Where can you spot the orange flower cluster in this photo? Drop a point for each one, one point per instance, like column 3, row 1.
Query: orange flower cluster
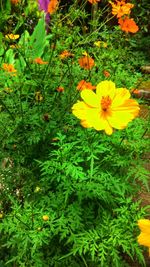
column 122, row 10
column 9, row 68
column 86, row 62
column 52, row 6
column 85, row 85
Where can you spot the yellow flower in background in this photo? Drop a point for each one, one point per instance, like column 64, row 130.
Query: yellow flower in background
column 106, row 109
column 97, row 43
column 38, row 96
column 144, row 237
column 100, row 44
column 12, row 36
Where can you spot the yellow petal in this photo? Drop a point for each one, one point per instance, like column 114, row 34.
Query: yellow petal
column 106, row 88
column 144, row 239
column 144, row 225
column 85, row 124
column 120, row 119
column 79, row 110
column 99, row 123
column 90, row 98
column 120, row 97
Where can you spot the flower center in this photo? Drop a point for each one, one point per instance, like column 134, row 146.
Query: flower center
column 105, row 103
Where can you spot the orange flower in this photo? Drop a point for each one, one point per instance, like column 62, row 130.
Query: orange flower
column 128, row 25
column 85, row 85
column 60, row 89
column 9, row 68
column 93, row 1
column 121, row 8
column 14, row 2
column 106, row 73
column 52, row 6
column 40, row 61
column 66, row 54
column 86, row 62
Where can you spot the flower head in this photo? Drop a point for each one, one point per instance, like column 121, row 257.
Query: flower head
column 86, row 62
column 52, row 6
column 40, row 61
column 9, row 68
column 66, row 54
column 128, row 25
column 12, row 36
column 82, row 85
column 106, row 109
column 120, row 8
column 144, row 237
column 43, row 5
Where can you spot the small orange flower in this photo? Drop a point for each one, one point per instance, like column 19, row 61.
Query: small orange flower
column 121, row 8
column 14, row 2
column 128, row 25
column 40, row 61
column 66, row 54
column 52, row 6
column 86, row 62
column 106, row 73
column 85, row 85
column 9, row 68
column 60, row 89
column 93, row 1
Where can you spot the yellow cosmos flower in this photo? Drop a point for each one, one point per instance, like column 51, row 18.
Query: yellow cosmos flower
column 106, row 109
column 144, row 237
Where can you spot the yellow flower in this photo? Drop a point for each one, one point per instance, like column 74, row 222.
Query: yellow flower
column 12, row 36
column 106, row 109
column 45, row 217
column 100, row 44
column 144, row 237
column 38, row 96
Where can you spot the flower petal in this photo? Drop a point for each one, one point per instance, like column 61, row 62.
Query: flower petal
column 121, row 95
column 90, row 98
column 106, row 88
column 120, row 119
column 144, row 225
column 144, row 239
column 79, row 110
